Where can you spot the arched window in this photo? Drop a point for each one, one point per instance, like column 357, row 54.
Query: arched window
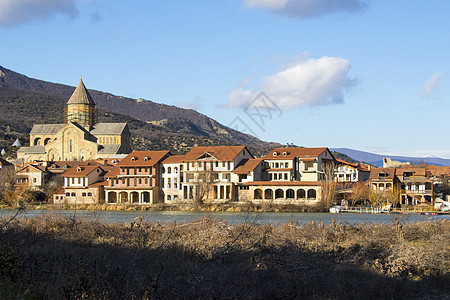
column 169, row 170
column 257, row 194
column 290, row 194
column 311, row 194
column 301, row 194
column 279, row 194
column 268, row 194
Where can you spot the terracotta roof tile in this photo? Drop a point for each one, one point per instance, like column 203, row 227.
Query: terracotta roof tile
column 221, row 153
column 375, row 172
column 81, row 171
column 290, row 153
column 173, row 159
column 143, row 158
column 248, row 165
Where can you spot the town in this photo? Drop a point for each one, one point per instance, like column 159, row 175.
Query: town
column 83, row 162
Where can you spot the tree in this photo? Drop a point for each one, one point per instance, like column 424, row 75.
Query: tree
column 360, row 193
column 8, row 182
column 328, row 184
column 204, row 178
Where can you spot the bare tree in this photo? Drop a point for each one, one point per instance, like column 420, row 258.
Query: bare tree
column 328, row 184
column 360, row 193
column 204, row 178
column 8, row 182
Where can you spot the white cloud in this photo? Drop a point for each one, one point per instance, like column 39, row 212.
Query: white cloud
column 307, row 8
column 311, row 82
column 16, row 12
column 430, row 85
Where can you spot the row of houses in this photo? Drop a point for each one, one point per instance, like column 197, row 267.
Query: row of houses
column 220, row 174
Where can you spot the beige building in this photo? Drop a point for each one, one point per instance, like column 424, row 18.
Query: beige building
column 79, row 138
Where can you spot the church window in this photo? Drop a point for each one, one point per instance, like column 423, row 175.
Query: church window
column 70, row 145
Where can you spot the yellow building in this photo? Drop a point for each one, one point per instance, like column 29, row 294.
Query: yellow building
column 79, row 138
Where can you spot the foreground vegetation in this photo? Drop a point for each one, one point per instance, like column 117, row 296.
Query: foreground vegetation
column 50, row 257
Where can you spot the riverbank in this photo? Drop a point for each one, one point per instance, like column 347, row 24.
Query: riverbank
column 214, row 207
column 206, row 207
column 59, row 258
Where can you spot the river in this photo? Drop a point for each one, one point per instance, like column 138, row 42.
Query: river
column 277, row 218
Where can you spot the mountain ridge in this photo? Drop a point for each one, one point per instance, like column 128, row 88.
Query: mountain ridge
column 377, row 159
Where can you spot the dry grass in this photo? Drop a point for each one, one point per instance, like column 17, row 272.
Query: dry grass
column 49, row 257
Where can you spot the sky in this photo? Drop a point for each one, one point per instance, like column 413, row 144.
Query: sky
column 370, row 75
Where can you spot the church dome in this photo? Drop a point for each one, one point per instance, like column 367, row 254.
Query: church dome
column 81, row 95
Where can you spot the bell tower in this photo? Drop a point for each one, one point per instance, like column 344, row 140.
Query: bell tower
column 80, row 108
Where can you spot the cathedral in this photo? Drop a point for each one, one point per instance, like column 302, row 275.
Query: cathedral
column 79, row 138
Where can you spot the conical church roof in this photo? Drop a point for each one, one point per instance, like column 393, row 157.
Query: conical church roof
column 81, row 95
column 17, row 143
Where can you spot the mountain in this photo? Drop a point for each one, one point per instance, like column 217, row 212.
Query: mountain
column 26, row 101
column 377, row 159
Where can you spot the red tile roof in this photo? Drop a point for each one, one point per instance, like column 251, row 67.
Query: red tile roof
column 221, row 153
column 173, row 159
column 390, row 172
column 356, row 166
column 143, row 158
column 81, row 171
column 290, row 153
column 248, row 165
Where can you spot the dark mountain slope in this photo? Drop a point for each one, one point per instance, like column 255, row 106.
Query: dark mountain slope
column 173, row 118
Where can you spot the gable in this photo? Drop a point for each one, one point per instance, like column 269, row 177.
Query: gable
column 206, row 156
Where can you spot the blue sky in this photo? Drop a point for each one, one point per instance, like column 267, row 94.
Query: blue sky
column 368, row 75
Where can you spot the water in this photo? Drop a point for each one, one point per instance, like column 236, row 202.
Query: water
column 231, row 217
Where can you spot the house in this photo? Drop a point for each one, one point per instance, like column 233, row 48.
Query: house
column 416, row 188
column 208, row 172
column 383, row 179
column 292, row 175
column 83, row 184
column 32, row 176
column 346, row 172
column 136, row 178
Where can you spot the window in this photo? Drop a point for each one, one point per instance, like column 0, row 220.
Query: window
column 284, row 153
column 73, row 194
column 274, row 154
column 133, row 158
column 83, row 194
column 169, row 170
column 146, row 158
column 89, row 194
column 68, row 194
column 285, row 176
